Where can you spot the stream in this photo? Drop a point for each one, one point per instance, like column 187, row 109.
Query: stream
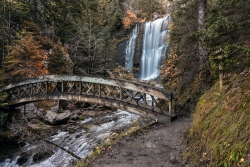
column 79, row 138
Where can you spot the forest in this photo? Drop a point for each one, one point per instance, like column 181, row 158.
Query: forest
column 207, row 65
column 57, row 37
column 209, row 70
column 40, row 37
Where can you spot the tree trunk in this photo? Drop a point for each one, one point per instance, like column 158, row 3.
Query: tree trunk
column 201, row 27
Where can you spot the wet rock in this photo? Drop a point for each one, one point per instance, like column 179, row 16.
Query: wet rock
column 41, row 156
column 121, row 48
column 74, row 117
column 81, row 117
column 71, row 131
column 57, row 118
column 23, row 159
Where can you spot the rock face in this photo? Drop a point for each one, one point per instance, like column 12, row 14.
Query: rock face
column 138, row 50
column 54, row 118
column 121, row 47
column 156, row 16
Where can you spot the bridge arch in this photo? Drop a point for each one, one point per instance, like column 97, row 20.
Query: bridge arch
column 117, row 93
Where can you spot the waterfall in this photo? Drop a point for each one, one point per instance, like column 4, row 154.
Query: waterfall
column 130, row 49
column 154, row 47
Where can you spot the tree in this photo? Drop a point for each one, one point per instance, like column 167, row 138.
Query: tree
column 112, row 12
column 203, row 56
column 148, row 7
column 59, row 61
column 26, row 59
column 227, row 37
column 91, row 44
column 129, row 19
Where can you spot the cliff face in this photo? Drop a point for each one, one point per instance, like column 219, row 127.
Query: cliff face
column 138, row 51
column 122, row 36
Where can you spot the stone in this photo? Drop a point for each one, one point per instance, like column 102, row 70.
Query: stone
column 42, row 155
column 55, row 108
column 156, row 16
column 173, row 160
column 57, row 118
column 39, row 126
column 74, row 117
column 22, row 159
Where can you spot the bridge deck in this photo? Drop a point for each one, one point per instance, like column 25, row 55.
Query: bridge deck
column 139, row 98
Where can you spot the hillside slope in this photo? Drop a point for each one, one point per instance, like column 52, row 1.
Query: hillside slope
column 220, row 133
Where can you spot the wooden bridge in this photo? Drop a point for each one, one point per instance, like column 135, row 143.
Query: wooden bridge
column 135, row 97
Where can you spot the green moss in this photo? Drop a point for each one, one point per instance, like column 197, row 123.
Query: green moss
column 220, row 134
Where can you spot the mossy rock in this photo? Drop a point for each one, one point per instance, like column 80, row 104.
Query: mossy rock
column 42, row 155
column 71, row 131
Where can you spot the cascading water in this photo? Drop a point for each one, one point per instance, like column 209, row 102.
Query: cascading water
column 154, row 47
column 88, row 133
column 130, row 49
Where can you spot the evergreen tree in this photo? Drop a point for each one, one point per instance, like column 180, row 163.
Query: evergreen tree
column 59, row 61
column 111, row 12
column 26, row 59
column 227, row 37
column 91, row 47
column 148, row 7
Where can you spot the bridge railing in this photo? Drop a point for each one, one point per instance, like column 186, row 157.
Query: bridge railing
column 128, row 92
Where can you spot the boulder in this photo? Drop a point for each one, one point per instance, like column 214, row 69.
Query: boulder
column 156, row 16
column 54, row 118
column 42, row 155
column 22, row 159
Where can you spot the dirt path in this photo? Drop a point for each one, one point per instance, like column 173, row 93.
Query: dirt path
column 160, row 146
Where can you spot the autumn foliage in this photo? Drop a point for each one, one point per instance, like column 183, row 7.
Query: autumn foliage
column 129, row 19
column 26, row 60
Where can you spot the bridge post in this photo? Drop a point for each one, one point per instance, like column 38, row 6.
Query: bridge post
column 31, row 89
column 144, row 99
column 170, row 104
column 120, row 93
column 99, row 89
column 46, row 87
column 62, row 88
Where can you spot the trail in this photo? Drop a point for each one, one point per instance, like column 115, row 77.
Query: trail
column 160, row 146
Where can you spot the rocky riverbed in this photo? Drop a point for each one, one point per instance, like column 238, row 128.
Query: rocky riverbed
column 54, row 137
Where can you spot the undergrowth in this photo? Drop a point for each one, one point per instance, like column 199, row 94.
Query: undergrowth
column 220, row 134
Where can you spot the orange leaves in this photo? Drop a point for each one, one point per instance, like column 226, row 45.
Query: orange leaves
column 26, row 59
column 129, row 19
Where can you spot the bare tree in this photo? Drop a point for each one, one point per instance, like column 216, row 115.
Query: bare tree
column 201, row 27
